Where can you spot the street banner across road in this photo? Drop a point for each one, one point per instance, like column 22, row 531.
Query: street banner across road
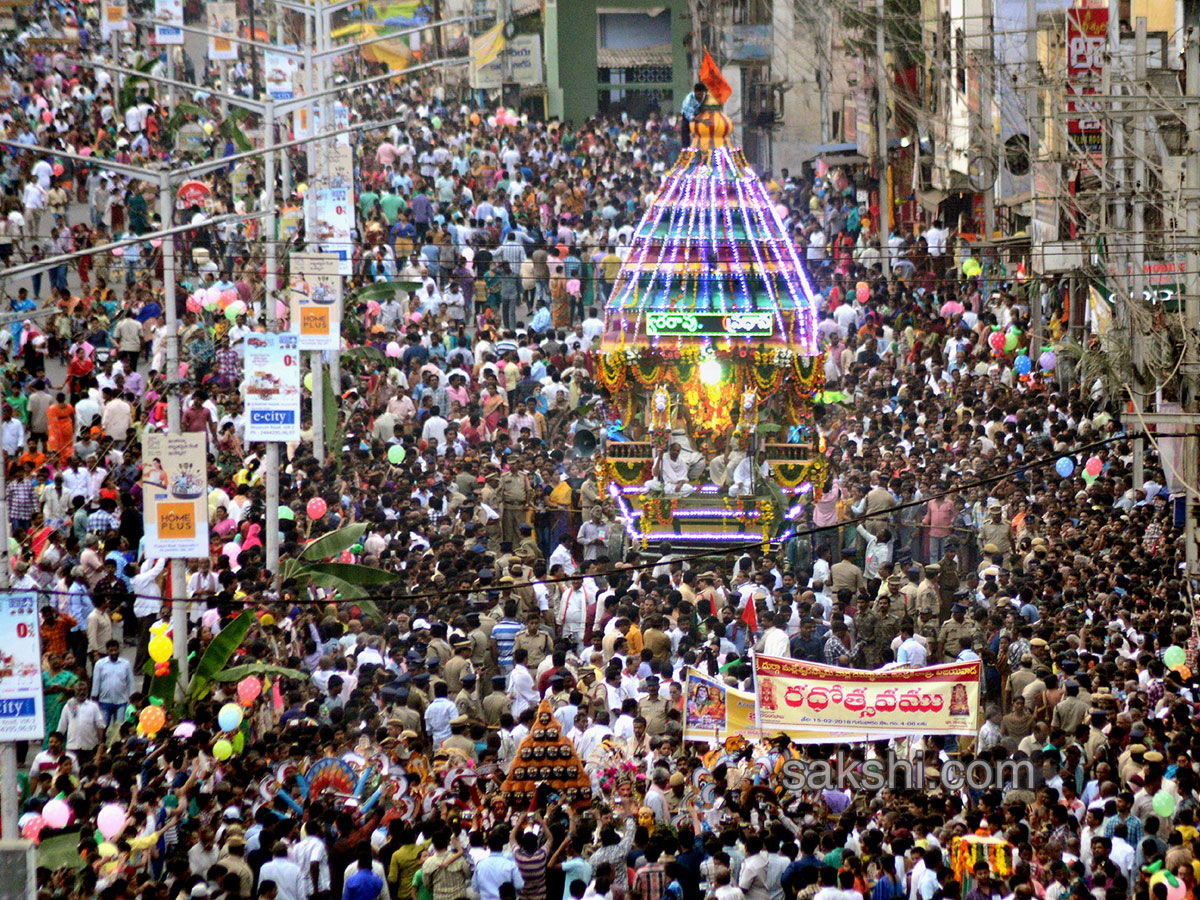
column 793, row 694
column 272, row 387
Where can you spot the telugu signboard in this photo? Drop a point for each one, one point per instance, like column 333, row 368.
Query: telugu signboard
column 22, row 712
column 1087, row 36
column 931, row 700
column 175, row 492
column 748, row 324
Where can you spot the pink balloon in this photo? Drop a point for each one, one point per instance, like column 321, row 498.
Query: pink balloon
column 316, row 508
column 346, row 557
column 373, row 307
column 183, row 370
column 56, row 813
column 393, row 349
column 47, row 116
column 248, row 689
column 212, row 294
column 156, row 242
column 32, row 830
column 85, row 151
column 41, row 102
column 111, row 820
column 118, row 251
column 193, row 305
column 1094, row 466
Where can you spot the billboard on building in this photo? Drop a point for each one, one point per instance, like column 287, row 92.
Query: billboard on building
column 1087, row 36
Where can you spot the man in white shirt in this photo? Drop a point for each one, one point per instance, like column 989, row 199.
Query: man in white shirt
column 286, row 875
column 520, row 684
column 911, row 651
column 774, row 641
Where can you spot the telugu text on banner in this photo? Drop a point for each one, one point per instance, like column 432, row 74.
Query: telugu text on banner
column 932, row 700
column 175, row 492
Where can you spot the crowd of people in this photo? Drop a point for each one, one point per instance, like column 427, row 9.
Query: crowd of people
column 370, row 763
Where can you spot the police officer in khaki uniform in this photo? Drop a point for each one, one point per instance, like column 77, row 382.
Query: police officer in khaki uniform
column 534, row 640
column 481, row 650
column 928, row 594
column 953, row 631
column 654, row 708
column 458, row 665
column 497, row 703
column 528, row 549
column 467, row 700
column 514, row 499
column 458, row 739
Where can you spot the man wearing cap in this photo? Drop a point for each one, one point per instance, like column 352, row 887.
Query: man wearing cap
column 527, row 548
column 514, row 496
column 534, row 640
column 653, row 708
column 928, row 595
column 466, row 701
column 953, row 631
column 458, row 739
column 457, row 666
column 496, row 703
column 995, row 532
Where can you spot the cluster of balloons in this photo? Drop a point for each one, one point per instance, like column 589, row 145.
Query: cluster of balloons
column 504, row 117
column 161, row 648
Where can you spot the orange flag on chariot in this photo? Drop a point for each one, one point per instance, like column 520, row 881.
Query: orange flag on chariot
column 714, row 80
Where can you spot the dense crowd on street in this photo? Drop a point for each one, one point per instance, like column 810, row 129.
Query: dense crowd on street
column 943, row 532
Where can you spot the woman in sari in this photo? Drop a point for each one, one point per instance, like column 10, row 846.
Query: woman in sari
column 558, row 505
column 495, row 405
column 57, row 688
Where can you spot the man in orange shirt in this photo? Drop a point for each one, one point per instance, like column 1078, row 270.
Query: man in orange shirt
column 54, row 628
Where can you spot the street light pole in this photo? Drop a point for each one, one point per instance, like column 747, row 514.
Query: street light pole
column 179, row 611
column 269, row 295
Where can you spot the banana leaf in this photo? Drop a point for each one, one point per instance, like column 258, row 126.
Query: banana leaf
column 163, row 686
column 237, row 673
column 345, row 589
column 352, row 573
column 217, row 656
column 364, row 354
column 332, row 543
column 382, row 290
column 231, row 130
column 182, row 111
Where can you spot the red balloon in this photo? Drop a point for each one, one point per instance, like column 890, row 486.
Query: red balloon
column 47, row 116
column 58, row 170
column 316, row 508
column 347, row 556
column 997, row 341
column 1094, row 466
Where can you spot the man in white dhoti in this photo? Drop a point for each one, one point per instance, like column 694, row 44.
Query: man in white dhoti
column 671, row 473
column 743, row 476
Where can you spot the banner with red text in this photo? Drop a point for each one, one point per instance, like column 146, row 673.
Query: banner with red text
column 800, row 696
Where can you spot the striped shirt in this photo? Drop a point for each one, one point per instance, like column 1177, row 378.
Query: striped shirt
column 533, row 871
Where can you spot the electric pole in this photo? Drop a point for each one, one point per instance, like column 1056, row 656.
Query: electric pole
column 987, row 131
column 1137, row 339
column 1191, row 363
column 881, row 141
column 1033, row 125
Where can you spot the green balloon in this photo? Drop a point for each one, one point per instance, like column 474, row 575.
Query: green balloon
column 1174, row 657
column 357, row 548
column 1164, row 804
column 1010, row 341
column 395, row 454
column 285, row 512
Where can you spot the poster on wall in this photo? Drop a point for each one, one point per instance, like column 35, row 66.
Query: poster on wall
column 22, row 710
column 315, row 300
column 175, row 495
column 223, row 23
column 272, row 380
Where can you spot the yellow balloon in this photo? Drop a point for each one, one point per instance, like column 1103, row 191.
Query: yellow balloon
column 159, row 628
column 267, row 619
column 107, row 850
column 161, row 648
column 222, row 749
column 208, row 128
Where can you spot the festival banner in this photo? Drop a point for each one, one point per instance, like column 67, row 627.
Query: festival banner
column 315, row 300
column 222, row 20
column 175, row 495
column 168, row 22
column 22, row 711
column 272, row 373
column 714, row 712
column 114, row 18
column 932, row 700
